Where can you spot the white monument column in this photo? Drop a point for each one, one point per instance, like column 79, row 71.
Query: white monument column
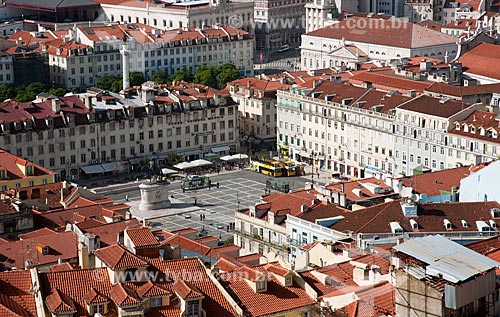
column 125, row 64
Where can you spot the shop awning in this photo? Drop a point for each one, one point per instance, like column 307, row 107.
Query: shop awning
column 92, row 169
column 111, row 167
column 134, row 161
column 218, row 149
column 168, row 171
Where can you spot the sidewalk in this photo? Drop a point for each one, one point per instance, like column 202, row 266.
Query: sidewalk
column 325, row 177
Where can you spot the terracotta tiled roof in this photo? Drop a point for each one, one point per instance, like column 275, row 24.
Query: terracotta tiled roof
column 173, row 310
column 149, row 289
column 17, row 298
column 259, row 84
column 275, row 300
column 37, row 233
column 479, row 119
column 225, row 265
column 58, row 219
column 108, row 233
column 431, row 25
column 485, row 246
column 186, row 290
column 59, row 303
column 377, row 300
column 387, row 82
column 434, row 107
column 435, row 183
column 93, row 296
column 249, row 273
column 11, row 163
column 350, row 186
column 123, row 296
column 430, row 216
column 61, row 267
column 214, row 302
column 482, row 60
column 142, row 237
column 16, row 253
column 76, row 285
column 277, row 269
column 409, row 35
column 117, row 257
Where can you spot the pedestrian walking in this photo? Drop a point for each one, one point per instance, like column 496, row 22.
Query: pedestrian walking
column 227, row 228
column 201, row 217
column 195, row 201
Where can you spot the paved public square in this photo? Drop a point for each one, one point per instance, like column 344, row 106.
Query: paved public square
column 236, row 190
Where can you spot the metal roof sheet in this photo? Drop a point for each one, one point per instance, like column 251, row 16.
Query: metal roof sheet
column 447, row 259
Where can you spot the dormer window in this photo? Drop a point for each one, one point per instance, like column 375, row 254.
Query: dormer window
column 466, row 128
column 414, row 224
column 465, row 224
column 495, row 212
column 482, row 131
column 156, row 302
column 193, row 308
column 396, row 227
column 29, row 170
column 49, row 121
column 98, row 308
column 457, row 126
column 261, row 286
column 3, row 173
column 288, row 281
column 472, row 129
column 493, row 224
column 447, row 224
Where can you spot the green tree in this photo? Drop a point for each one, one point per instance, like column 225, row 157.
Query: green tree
column 206, row 76
column 57, row 91
column 182, row 74
column 36, row 88
column 105, row 82
column 136, row 78
column 226, row 73
column 116, row 86
column 173, row 158
column 160, row 77
column 7, row 91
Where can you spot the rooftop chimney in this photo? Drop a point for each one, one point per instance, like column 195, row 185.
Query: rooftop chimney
column 56, row 105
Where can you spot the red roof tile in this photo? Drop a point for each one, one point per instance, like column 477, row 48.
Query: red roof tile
column 17, row 298
column 16, row 253
column 149, row 289
column 409, row 35
column 61, row 267
column 59, row 303
column 93, row 296
column 37, row 233
column 482, row 60
column 435, row 183
column 186, row 290
column 117, row 257
column 434, row 107
column 385, row 82
column 276, row 299
column 123, row 296
column 76, row 285
column 214, row 302
column 108, row 233
column 142, row 237
column 430, row 216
